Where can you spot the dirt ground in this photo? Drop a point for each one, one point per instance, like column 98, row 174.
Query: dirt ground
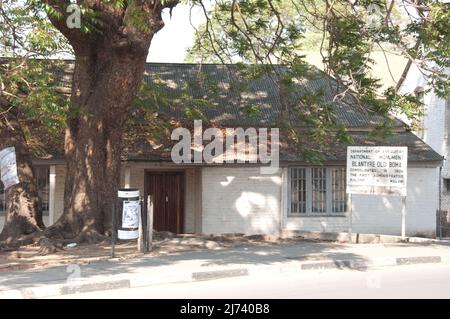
column 28, row 257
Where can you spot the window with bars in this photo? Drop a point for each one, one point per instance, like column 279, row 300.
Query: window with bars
column 317, row 190
column 339, row 197
column 43, row 184
column 298, row 187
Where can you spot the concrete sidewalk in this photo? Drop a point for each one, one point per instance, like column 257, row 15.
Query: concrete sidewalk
column 244, row 260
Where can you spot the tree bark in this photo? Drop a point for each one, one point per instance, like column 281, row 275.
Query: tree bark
column 104, row 86
column 109, row 67
column 23, row 211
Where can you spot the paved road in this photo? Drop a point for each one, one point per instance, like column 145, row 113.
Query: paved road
column 413, row 281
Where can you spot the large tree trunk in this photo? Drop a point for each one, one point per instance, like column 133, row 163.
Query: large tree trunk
column 104, row 87
column 23, row 211
column 109, row 67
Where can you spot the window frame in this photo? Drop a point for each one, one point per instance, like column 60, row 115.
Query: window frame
column 309, row 194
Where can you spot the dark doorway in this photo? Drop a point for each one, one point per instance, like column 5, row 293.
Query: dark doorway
column 167, row 189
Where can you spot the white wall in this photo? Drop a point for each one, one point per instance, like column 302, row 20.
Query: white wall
column 240, row 200
column 382, row 214
column 436, row 122
column 434, row 118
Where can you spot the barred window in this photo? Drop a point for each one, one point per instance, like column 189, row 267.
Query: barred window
column 298, row 186
column 317, row 190
column 43, row 184
column 339, row 197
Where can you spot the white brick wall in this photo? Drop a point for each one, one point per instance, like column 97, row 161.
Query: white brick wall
column 382, row 214
column 436, row 122
column 436, row 131
column 192, row 204
column 240, row 200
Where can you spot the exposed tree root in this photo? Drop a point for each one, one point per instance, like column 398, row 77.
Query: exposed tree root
column 52, row 240
column 36, row 238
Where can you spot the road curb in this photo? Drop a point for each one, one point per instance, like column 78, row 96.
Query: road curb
column 219, row 274
column 52, row 290
column 358, row 238
column 77, row 261
column 418, row 260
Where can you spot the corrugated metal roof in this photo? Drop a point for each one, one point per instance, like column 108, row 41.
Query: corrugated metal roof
column 227, row 106
column 142, row 147
column 180, row 83
column 418, row 150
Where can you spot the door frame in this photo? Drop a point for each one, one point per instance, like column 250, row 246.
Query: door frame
column 150, row 171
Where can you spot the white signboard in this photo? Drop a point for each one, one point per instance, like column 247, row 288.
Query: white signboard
column 377, row 170
column 8, row 167
column 130, row 214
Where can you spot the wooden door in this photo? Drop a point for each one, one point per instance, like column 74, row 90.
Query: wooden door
column 168, row 195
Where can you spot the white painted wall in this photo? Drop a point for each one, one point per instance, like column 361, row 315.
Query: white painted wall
column 382, row 214
column 436, row 122
column 240, row 200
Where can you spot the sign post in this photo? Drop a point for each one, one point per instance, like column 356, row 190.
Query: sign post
column 350, row 218
column 404, row 217
column 378, row 170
